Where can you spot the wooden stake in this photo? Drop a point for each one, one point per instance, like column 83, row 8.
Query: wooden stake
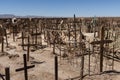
column 22, row 40
column 54, row 46
column 36, row 35
column 69, row 34
column 56, row 68
column 25, row 66
column 28, row 48
column 113, row 59
column 101, row 49
column 41, row 39
column 75, row 31
column 82, row 67
column 2, row 44
column 6, row 37
column 7, row 73
column 13, row 33
column 89, row 60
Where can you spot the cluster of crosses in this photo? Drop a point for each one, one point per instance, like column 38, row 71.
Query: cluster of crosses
column 25, row 68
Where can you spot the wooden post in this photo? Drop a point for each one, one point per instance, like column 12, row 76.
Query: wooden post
column 13, row 33
column 40, row 34
column 82, row 67
column 36, row 36
column 80, row 37
column 28, row 48
column 54, row 46
column 75, row 31
column 56, row 68
column 7, row 73
column 101, row 49
column 6, row 37
column 60, row 51
column 22, row 40
column 113, row 59
column 25, row 66
column 41, row 39
column 89, row 61
column 32, row 37
column 2, row 44
column 69, row 34
column 48, row 38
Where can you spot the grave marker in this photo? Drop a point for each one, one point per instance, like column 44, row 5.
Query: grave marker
column 7, row 73
column 25, row 68
column 101, row 42
column 56, row 68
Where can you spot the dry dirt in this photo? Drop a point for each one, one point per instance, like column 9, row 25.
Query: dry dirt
column 43, row 59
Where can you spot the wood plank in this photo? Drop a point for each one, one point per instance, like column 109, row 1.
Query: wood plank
column 102, row 41
column 7, row 73
column 28, row 67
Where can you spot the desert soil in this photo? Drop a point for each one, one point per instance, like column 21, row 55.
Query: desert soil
column 43, row 59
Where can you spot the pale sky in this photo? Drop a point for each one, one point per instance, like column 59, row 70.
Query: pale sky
column 62, row 8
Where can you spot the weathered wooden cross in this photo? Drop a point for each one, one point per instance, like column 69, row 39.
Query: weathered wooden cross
column 25, row 68
column 101, row 42
column 36, row 37
column 28, row 46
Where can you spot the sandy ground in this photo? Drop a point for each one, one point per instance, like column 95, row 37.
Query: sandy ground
column 43, row 59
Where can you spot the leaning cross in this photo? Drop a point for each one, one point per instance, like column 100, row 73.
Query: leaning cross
column 25, row 67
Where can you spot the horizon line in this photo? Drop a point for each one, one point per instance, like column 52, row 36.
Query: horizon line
column 54, row 16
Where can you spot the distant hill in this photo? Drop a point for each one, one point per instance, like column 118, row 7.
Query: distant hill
column 12, row 16
column 27, row 16
column 7, row 16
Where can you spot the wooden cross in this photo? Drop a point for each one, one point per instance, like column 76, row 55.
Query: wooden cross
column 25, row 68
column 101, row 42
column 36, row 37
column 75, row 31
column 28, row 45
